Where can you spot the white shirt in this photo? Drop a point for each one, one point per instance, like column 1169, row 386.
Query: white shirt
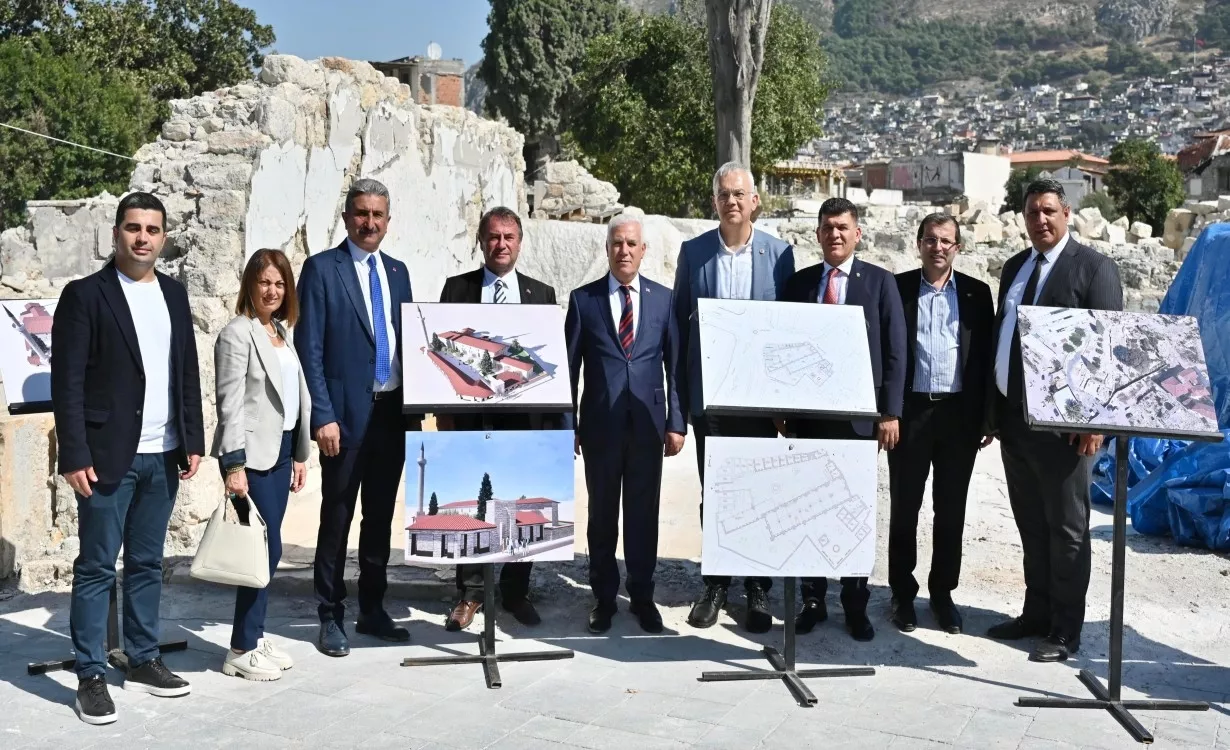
column 359, row 256
column 1008, row 326
column 512, row 289
column 290, row 386
column 152, row 320
column 734, row 270
column 617, row 301
column 843, row 279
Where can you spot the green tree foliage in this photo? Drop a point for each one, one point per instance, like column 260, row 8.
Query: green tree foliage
column 433, row 506
column 1143, row 183
column 485, row 495
column 646, row 120
column 1102, row 201
column 1132, row 60
column 436, row 343
column 1018, row 180
column 531, row 56
column 70, row 99
column 486, row 366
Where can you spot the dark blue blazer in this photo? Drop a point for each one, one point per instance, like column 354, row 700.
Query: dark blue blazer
column 644, row 386
column 334, row 338
column 875, row 290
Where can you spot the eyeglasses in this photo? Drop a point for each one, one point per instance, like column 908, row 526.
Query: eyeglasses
column 940, row 242
column 738, row 195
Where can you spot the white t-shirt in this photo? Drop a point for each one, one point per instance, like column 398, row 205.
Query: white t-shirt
column 290, row 386
column 152, row 320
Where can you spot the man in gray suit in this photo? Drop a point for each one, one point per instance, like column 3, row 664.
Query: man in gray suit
column 1048, row 473
column 733, row 261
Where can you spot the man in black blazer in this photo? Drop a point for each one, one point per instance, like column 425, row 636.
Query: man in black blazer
column 127, row 398
column 497, row 282
column 843, row 279
column 948, row 318
column 1048, row 473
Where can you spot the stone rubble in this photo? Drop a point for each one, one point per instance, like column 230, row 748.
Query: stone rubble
column 571, row 193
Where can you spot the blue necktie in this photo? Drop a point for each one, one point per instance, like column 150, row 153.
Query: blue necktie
column 378, row 323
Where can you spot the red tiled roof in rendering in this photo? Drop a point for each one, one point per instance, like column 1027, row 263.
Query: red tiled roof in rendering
column 36, row 320
column 530, row 518
column 466, row 336
column 450, row 522
column 514, row 362
column 463, row 384
column 533, row 500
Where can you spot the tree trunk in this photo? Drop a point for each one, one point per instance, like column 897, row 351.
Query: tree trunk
column 737, row 30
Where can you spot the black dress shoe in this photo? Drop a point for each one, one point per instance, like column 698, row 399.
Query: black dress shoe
column 1054, row 648
column 380, row 625
column 904, row 616
column 947, row 616
column 758, row 620
column 813, row 613
column 600, row 617
column 523, row 612
column 1015, row 629
column 332, row 640
column 859, row 626
column 647, row 616
column 705, row 611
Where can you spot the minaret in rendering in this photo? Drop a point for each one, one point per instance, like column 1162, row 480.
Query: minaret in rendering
column 422, row 477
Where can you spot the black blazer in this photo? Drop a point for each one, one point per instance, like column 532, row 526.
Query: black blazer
column 98, row 381
column 1082, row 278
column 977, row 314
column 875, row 290
column 467, row 288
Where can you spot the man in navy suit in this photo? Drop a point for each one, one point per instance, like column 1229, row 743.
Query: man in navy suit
column 347, row 337
column 622, row 330
column 842, row 279
column 733, row 261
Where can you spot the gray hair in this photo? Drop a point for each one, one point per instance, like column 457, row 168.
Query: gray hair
column 365, row 186
column 729, row 168
column 1044, row 185
column 623, row 220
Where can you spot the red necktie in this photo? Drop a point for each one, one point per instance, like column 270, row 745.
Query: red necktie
column 625, row 322
column 830, row 291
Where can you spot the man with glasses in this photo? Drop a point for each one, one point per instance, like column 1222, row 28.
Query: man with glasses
column 948, row 318
column 733, row 261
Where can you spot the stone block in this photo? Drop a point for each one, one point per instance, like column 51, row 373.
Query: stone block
column 277, row 118
column 290, row 69
column 882, row 197
column 1140, row 230
column 857, row 196
column 880, row 214
column 1121, row 222
column 245, row 142
column 554, row 191
column 17, row 252
column 1223, row 203
column 220, row 175
column 1115, row 234
column 27, row 461
column 991, row 232
column 1200, row 208
column 177, row 130
column 224, row 209
column 1178, row 224
column 562, row 171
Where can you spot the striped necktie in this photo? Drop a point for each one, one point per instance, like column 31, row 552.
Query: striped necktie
column 499, row 291
column 625, row 321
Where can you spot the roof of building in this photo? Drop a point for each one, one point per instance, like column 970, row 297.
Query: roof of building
column 530, row 518
column 460, row 504
column 1208, row 146
column 462, row 383
column 514, row 362
column 467, row 337
column 474, row 503
column 450, row 522
column 1061, row 155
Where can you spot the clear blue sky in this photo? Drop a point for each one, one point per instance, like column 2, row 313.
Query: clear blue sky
column 534, row 464
column 374, row 29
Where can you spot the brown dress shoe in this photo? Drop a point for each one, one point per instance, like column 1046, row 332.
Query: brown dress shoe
column 462, row 616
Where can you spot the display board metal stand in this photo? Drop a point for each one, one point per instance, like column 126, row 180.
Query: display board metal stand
column 487, row 655
column 1110, row 697
column 115, row 654
column 783, row 662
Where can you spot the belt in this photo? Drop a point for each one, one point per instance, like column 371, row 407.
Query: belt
column 935, row 396
column 381, row 395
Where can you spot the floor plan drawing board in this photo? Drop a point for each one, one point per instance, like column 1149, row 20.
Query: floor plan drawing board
column 785, row 358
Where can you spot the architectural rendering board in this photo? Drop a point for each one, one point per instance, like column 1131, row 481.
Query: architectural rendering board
column 489, row 497
column 25, row 352
column 1116, row 372
column 785, row 358
column 780, row 507
column 480, row 357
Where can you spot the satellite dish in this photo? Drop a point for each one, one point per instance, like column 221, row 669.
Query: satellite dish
column 434, row 51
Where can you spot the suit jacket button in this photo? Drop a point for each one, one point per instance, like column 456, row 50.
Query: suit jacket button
column 138, row 412
column 371, row 361
column 369, row 389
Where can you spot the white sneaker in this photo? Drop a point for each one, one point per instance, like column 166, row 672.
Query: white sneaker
column 253, row 665
column 274, row 654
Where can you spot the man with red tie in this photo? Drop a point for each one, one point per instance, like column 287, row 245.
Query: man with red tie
column 843, row 279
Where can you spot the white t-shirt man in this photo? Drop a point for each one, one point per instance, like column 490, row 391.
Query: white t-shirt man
column 152, row 320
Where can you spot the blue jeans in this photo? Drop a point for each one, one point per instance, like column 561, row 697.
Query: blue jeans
column 134, row 513
column 269, row 491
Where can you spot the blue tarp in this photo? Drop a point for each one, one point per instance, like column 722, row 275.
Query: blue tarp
column 1176, row 487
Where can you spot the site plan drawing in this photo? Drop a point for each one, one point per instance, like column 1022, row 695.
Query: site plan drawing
column 779, row 507
column 477, row 357
column 1116, row 372
column 785, row 357
column 25, row 353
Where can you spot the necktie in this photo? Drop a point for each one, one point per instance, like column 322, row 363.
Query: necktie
column 830, row 289
column 1016, row 377
column 625, row 322
column 499, row 291
column 379, row 327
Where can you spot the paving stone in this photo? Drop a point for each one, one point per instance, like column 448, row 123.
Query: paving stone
column 572, row 701
column 930, row 721
column 1175, row 734
column 293, row 714
column 604, row 738
column 550, row 729
column 992, row 730
column 791, row 734
column 1084, row 727
column 651, row 723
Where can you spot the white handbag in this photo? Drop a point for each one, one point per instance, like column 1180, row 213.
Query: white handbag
column 233, row 553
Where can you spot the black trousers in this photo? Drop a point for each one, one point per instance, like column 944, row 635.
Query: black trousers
column 374, row 468
column 1048, row 488
column 703, row 427
column 854, row 591
column 935, row 435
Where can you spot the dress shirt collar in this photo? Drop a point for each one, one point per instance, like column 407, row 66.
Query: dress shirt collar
column 1053, row 254
column 612, row 283
column 359, row 255
column 489, row 277
column 740, row 248
column 845, row 267
column 949, row 283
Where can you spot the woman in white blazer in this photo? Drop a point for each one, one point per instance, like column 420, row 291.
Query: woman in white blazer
column 262, row 439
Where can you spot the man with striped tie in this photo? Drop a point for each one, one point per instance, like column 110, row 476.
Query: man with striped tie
column 620, row 329
column 496, row 282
